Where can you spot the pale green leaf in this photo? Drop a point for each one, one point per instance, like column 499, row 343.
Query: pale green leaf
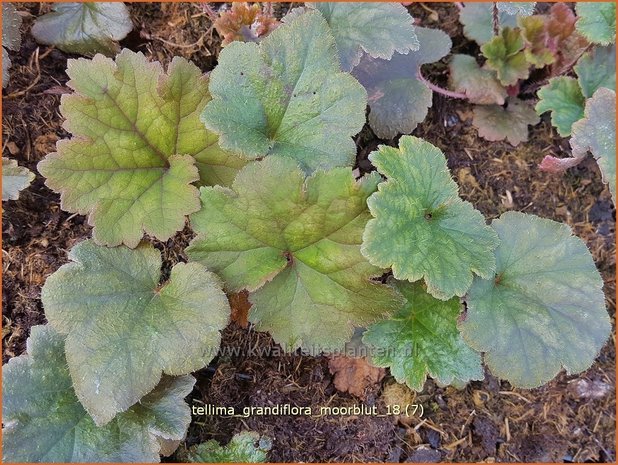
column 505, row 55
column 597, row 69
column 245, row 447
column 84, row 28
column 596, row 21
column 517, row 8
column 478, row 84
column 596, row 133
column 478, row 23
column 378, row 29
column 138, row 145
column 124, row 329
column 538, row 42
column 295, row 244
column 44, row 421
column 15, row 179
column 398, row 100
column 563, row 97
column 287, row 96
column 422, row 339
column 421, row 228
column 543, row 310
column 496, row 123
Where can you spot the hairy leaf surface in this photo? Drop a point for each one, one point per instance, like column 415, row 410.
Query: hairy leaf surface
column 287, row 96
column 421, row 228
column 480, row 85
column 505, row 55
column 295, row 244
column 378, row 29
column 245, row 447
column 123, row 329
column 495, row 122
column 544, row 309
column 478, row 23
column 517, row 8
column 138, row 145
column 11, row 37
column 44, row 421
column 596, row 133
column 563, row 97
column 85, row 28
column 398, row 100
column 596, row 21
column 597, row 69
column 422, row 339
column 15, row 179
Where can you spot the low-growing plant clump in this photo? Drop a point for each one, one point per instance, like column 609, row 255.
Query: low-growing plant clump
column 258, row 157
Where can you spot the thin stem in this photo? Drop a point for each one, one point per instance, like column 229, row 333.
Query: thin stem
column 440, row 90
column 496, row 16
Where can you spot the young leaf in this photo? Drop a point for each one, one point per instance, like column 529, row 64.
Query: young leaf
column 563, row 97
column 295, row 244
column 517, row 8
column 84, row 28
column 244, row 22
column 421, row 339
column 478, row 23
column 505, row 55
column 534, row 32
column 123, row 329
column 245, row 447
column 378, row 29
column 287, row 96
column 15, row 179
column 596, row 133
column 11, row 37
column 495, row 122
column 421, row 228
column 545, row 307
column 596, row 21
column 44, row 421
column 398, row 100
column 597, row 69
column 480, row 85
column 137, row 141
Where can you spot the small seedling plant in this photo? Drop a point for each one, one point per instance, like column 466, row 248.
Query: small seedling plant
column 258, row 156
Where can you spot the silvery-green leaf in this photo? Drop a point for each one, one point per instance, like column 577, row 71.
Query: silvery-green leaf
column 517, row 8
column 596, row 21
column 84, row 28
column 245, row 447
column 124, row 329
column 45, row 422
column 422, row 339
column 378, row 29
column 478, row 23
column 421, row 228
column 11, row 24
column 596, row 69
column 287, row 97
column 15, row 179
column 544, row 309
column 398, row 100
column 480, row 85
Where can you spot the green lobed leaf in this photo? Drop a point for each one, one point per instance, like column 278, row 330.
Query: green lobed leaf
column 138, row 145
column 84, row 28
column 517, row 8
column 544, row 309
column 505, row 55
column 596, row 69
column 596, row 132
column 124, row 329
column 422, row 339
column 496, row 123
column 44, row 421
column 563, row 97
column 244, row 447
column 15, row 179
column 398, row 100
column 287, row 97
column 294, row 243
column 478, row 23
column 478, row 84
column 596, row 21
column 378, row 29
column 421, row 228
column 537, row 41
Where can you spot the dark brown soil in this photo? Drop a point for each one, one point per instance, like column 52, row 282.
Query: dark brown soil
column 562, row 421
